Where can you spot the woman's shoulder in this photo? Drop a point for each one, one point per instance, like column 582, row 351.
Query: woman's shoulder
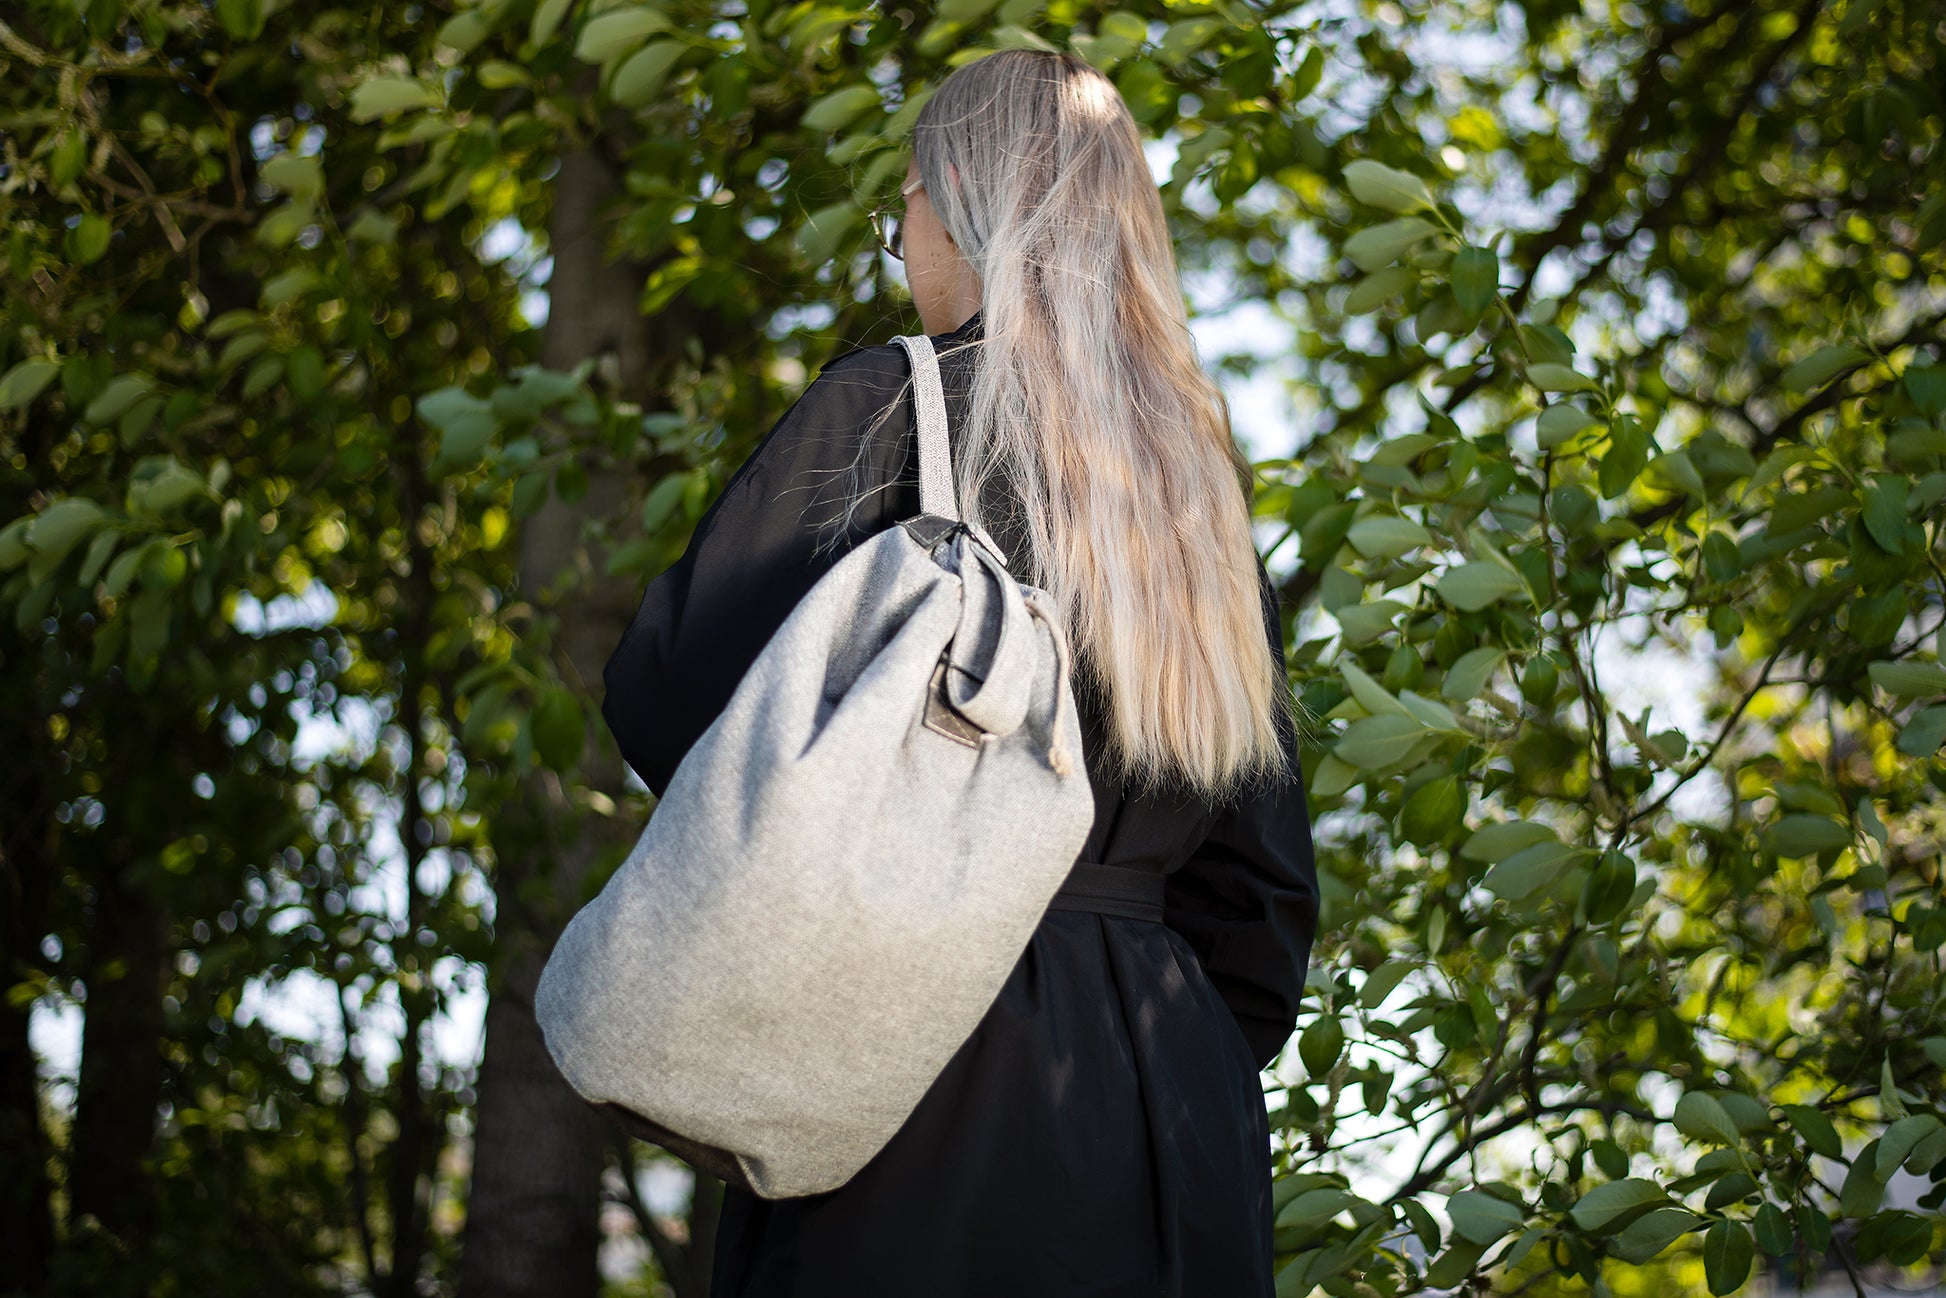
column 867, row 388
column 872, row 369
column 856, row 392
column 886, row 367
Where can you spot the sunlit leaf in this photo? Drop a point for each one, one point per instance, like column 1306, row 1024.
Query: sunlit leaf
column 1376, row 184
column 1821, row 365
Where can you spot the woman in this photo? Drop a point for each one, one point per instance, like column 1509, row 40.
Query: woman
column 1103, row 1131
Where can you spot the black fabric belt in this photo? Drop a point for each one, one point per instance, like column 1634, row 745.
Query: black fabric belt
column 1111, row 890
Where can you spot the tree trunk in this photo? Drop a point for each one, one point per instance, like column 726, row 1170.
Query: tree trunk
column 539, row 1150
column 121, row 1061
column 26, row 1218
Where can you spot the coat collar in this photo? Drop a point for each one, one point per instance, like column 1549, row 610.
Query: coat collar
column 968, row 330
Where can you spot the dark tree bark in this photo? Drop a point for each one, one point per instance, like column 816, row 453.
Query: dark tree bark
column 26, row 1218
column 121, row 1059
column 539, row 1149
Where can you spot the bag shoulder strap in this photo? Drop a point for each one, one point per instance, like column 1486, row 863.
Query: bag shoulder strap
column 936, row 494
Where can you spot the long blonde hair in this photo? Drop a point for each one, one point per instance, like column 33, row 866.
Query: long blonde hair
column 1088, row 395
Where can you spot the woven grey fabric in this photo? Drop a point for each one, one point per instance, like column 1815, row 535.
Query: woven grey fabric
column 845, row 867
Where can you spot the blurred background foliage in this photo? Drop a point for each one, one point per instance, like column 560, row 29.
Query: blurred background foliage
column 1616, row 358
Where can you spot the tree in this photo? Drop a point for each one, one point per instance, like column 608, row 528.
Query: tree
column 1627, row 350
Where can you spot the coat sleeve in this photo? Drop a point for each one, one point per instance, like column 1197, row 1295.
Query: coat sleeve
column 758, row 549
column 1247, row 898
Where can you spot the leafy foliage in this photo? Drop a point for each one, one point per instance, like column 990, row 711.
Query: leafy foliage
column 1626, row 359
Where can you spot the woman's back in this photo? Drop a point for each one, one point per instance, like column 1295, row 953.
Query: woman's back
column 1104, row 1129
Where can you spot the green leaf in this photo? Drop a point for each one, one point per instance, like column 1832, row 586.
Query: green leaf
column 547, row 20
column 1116, row 36
column 1371, row 696
column 1331, row 777
column 1550, row 377
column 1313, row 1208
column 840, row 108
column 99, row 552
column 1899, row 1140
column 373, row 227
column 1703, row 1117
column 1908, row 679
column 1734, row 1188
column 1499, row 841
column 610, row 35
column 1926, row 385
column 299, row 176
column 27, row 380
column 172, row 488
column 1386, row 536
column 1676, row 469
column 825, row 228
column 1470, row 673
column 1626, row 456
column 1375, row 743
column 660, row 503
column 1378, row 288
column 1320, row 1045
column 1773, row 1229
column 121, row 573
column 1435, row 716
column 1186, row 36
column 466, row 29
column 262, row 376
column 1821, row 365
column 465, row 422
column 1648, row 1235
column 1382, row 982
column 1433, row 811
column 1721, row 557
column 1559, row 422
column 1609, row 1207
column 88, row 241
column 1539, row 680
column 1816, row 1129
column 384, row 96
column 1884, row 513
column 1922, row 736
column 69, row 156
column 1449, row 1270
column 1890, row 1102
column 1483, row 1218
column 243, row 19
column 1806, row 835
column 1473, row 586
column 1862, row 1191
column 1727, row 1255
column 1374, row 248
column 1528, row 870
column 1927, row 1154
column 1476, row 279
column 1611, row 885
column 1363, row 623
column 1378, row 185
column 123, row 391
column 61, row 526
column 293, row 283
column 640, row 78
column 559, row 728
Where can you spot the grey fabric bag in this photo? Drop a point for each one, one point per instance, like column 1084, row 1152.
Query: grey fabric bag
column 845, row 867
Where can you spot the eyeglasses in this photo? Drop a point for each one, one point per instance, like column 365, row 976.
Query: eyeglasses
column 890, row 226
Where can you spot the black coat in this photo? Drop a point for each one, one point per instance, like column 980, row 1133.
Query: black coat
column 1103, row 1131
